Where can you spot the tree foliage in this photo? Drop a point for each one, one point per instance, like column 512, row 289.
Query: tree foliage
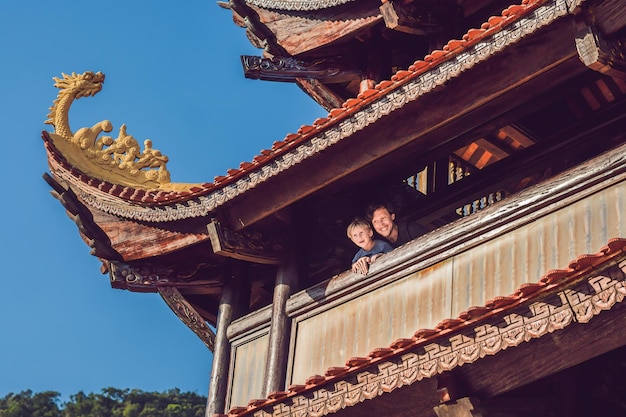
column 110, row 402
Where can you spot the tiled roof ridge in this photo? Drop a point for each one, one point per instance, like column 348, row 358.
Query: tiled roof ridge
column 551, row 281
column 200, row 201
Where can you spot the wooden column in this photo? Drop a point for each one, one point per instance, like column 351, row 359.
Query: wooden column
column 280, row 326
column 231, row 306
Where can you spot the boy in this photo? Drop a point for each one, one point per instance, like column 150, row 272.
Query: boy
column 361, row 234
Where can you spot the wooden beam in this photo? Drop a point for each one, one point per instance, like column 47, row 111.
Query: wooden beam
column 323, row 95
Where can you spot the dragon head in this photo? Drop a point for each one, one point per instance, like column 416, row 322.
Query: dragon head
column 70, row 88
column 80, row 85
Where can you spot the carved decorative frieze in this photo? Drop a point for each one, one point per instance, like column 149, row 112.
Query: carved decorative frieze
column 597, row 294
column 145, row 277
column 123, row 276
column 188, row 315
column 247, row 245
column 553, row 312
column 368, row 114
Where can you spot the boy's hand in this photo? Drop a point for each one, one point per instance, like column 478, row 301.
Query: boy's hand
column 361, row 266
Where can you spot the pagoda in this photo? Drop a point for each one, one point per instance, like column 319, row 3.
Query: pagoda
column 499, row 128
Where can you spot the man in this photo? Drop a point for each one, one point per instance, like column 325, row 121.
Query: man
column 383, row 219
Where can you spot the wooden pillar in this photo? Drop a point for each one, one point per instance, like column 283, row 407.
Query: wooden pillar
column 231, row 306
column 280, row 326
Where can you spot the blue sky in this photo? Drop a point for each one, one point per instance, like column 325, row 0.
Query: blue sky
column 173, row 75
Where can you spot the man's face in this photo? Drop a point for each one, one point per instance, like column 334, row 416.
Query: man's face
column 382, row 221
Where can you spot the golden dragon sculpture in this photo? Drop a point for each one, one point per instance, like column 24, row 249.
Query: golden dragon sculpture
column 117, row 160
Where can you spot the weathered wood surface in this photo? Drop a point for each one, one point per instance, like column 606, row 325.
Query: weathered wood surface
column 476, row 96
column 248, row 368
column 250, row 322
column 297, row 34
column 134, row 240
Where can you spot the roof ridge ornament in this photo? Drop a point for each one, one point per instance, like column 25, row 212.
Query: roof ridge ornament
column 117, row 160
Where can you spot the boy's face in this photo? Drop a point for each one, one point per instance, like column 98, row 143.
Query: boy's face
column 361, row 236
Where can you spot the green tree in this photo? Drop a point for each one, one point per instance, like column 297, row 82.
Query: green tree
column 27, row 404
column 110, row 402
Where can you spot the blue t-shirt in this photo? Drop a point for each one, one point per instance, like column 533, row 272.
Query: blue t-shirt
column 380, row 246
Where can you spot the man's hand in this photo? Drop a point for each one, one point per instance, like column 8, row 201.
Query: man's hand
column 361, row 266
